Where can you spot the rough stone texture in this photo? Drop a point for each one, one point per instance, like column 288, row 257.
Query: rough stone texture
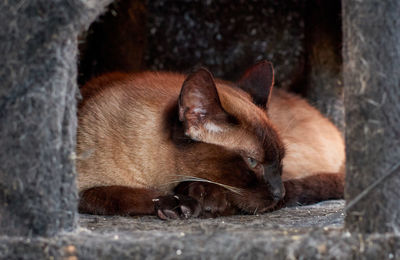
column 38, row 113
column 296, row 220
column 323, row 69
column 312, row 232
column 226, row 36
column 372, row 99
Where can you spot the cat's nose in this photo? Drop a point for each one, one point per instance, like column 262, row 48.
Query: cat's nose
column 278, row 193
column 274, row 181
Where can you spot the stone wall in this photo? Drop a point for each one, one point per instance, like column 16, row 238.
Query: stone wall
column 372, row 90
column 38, row 49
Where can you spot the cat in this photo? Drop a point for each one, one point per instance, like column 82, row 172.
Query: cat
column 159, row 143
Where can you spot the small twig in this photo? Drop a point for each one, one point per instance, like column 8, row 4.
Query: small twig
column 20, row 4
column 371, row 187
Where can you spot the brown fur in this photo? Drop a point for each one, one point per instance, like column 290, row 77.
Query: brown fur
column 313, row 144
column 140, row 134
column 117, row 200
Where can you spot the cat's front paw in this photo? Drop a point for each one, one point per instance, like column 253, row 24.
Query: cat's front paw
column 176, row 207
column 213, row 199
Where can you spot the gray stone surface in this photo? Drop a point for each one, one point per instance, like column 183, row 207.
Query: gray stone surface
column 38, row 48
column 372, row 98
column 226, row 36
column 328, row 214
column 309, row 232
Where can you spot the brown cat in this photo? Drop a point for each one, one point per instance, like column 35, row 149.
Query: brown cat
column 140, row 135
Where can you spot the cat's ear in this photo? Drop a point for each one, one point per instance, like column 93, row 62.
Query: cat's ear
column 199, row 106
column 258, row 82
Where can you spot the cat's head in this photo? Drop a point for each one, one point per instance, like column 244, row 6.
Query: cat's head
column 245, row 150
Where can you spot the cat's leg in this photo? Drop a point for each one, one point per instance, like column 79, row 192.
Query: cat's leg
column 117, row 200
column 313, row 189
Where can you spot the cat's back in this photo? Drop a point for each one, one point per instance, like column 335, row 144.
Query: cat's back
column 132, row 106
column 121, row 116
column 144, row 87
column 312, row 142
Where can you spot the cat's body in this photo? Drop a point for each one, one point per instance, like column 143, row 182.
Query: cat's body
column 313, row 144
column 140, row 135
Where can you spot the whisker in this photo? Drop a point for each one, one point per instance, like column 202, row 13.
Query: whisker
column 289, row 125
column 255, row 211
column 187, row 178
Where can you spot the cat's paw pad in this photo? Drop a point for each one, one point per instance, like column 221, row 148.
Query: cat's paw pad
column 176, row 207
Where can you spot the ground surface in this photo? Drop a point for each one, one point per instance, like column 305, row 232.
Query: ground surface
column 297, row 220
column 308, row 232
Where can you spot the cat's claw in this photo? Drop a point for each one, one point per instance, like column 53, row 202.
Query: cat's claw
column 176, row 207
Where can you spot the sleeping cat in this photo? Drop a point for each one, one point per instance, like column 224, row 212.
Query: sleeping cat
column 160, row 143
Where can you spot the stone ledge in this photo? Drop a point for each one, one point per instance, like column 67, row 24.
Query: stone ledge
column 293, row 233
